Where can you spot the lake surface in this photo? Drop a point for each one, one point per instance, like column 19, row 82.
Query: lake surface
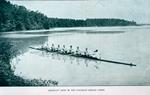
column 125, row 44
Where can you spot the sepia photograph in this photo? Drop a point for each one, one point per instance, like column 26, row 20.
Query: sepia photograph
column 63, row 43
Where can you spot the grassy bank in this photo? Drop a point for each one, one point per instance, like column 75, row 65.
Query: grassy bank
column 7, row 77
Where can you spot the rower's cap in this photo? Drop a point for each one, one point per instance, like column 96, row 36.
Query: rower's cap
column 96, row 51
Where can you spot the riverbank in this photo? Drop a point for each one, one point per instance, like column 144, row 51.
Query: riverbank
column 71, row 29
column 7, row 76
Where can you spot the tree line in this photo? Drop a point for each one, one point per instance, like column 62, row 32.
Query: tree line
column 14, row 18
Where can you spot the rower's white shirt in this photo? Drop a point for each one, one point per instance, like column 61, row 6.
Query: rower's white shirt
column 58, row 48
column 86, row 52
column 96, row 54
column 52, row 47
column 78, row 51
column 63, row 48
column 71, row 49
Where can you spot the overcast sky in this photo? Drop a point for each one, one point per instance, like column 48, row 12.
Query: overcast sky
column 137, row 10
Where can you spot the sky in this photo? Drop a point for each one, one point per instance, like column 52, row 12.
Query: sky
column 137, row 10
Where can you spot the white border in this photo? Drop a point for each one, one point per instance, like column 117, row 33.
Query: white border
column 96, row 90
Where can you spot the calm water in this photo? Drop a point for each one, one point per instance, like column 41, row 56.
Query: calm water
column 125, row 44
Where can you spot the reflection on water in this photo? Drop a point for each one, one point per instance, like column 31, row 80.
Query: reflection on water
column 132, row 45
column 68, row 59
column 8, row 53
column 54, row 66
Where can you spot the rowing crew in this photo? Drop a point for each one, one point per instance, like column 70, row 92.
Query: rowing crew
column 78, row 52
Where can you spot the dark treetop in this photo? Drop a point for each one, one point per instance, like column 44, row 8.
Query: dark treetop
column 14, row 18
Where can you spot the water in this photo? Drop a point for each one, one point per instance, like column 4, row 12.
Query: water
column 125, row 44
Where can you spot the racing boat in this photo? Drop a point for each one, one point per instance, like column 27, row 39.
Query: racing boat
column 46, row 49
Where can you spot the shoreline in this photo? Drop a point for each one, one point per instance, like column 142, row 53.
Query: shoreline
column 8, row 78
column 66, row 29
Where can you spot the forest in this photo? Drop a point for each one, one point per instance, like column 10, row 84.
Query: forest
column 14, row 18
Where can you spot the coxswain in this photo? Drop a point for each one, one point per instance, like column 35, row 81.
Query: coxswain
column 96, row 54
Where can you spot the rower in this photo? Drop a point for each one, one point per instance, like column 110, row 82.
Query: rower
column 58, row 48
column 63, row 49
column 96, row 54
column 86, row 52
column 46, row 45
column 70, row 50
column 78, row 51
column 52, row 47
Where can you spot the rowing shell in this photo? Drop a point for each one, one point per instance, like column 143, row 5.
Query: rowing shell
column 83, row 56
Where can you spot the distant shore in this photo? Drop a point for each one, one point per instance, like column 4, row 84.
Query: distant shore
column 17, row 18
column 67, row 29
